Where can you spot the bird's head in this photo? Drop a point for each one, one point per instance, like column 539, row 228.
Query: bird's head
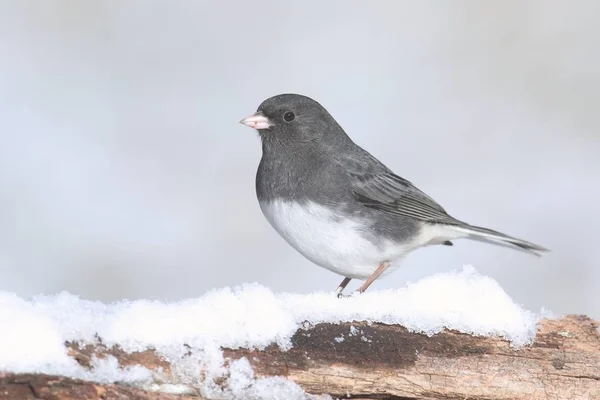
column 293, row 118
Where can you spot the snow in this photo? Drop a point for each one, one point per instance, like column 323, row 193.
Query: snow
column 33, row 332
column 244, row 386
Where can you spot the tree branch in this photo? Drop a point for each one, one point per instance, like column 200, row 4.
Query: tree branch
column 377, row 361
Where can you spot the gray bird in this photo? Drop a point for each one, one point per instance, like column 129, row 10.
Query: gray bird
column 339, row 206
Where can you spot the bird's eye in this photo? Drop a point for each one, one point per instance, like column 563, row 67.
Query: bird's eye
column 289, row 116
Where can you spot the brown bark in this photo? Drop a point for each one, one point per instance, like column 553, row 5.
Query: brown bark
column 380, row 362
column 38, row 386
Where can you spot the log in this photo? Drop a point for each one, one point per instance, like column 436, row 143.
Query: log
column 376, row 361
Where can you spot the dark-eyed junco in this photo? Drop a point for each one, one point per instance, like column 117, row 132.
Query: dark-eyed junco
column 338, row 205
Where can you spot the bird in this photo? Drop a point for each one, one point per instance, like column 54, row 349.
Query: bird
column 338, row 205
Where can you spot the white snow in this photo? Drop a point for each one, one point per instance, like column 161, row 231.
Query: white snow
column 33, row 332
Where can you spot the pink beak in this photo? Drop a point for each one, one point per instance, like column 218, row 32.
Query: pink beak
column 257, row 121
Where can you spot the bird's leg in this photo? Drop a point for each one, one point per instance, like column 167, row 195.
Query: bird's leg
column 342, row 286
column 374, row 276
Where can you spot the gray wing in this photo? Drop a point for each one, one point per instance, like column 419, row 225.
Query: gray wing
column 388, row 192
column 376, row 186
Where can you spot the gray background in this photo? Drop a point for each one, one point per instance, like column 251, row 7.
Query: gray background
column 124, row 172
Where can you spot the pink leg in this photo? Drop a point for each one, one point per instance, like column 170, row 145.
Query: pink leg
column 342, row 286
column 372, row 278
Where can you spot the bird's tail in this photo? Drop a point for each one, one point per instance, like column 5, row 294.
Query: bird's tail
column 497, row 238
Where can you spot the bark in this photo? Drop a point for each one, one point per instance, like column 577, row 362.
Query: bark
column 378, row 362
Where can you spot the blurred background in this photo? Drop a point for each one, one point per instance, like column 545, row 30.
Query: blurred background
column 124, row 172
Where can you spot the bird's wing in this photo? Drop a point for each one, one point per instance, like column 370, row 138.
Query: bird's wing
column 388, row 192
column 377, row 187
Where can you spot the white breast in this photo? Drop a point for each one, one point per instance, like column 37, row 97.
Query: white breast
column 329, row 240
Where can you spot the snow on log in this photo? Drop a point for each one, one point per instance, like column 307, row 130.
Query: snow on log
column 374, row 361
column 455, row 335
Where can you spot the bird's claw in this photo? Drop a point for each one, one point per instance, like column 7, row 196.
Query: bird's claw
column 341, row 295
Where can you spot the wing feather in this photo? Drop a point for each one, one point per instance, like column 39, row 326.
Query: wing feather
column 391, row 193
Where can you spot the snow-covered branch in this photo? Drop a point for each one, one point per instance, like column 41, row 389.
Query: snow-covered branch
column 368, row 361
column 449, row 336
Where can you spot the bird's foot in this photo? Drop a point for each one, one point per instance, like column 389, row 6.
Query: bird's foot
column 341, row 288
column 341, row 295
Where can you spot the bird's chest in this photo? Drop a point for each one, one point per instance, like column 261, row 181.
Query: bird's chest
column 288, row 176
column 324, row 236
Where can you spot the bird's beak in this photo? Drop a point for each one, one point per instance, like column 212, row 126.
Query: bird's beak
column 257, row 121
